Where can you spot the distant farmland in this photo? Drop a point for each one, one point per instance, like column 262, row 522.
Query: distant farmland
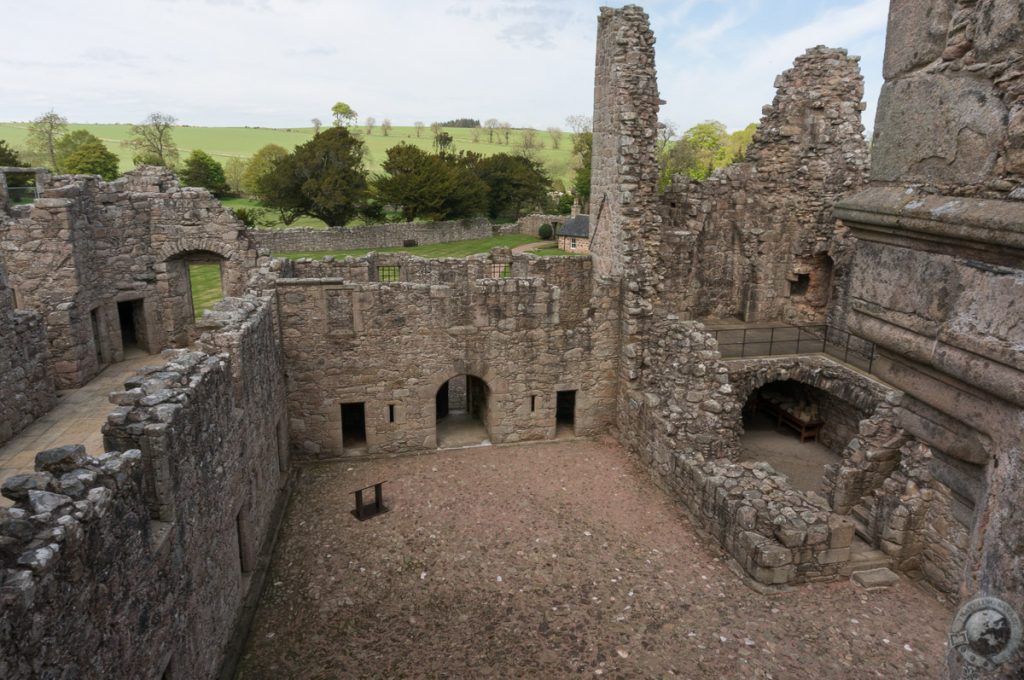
column 226, row 142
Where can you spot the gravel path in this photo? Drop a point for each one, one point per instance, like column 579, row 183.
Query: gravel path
column 548, row 561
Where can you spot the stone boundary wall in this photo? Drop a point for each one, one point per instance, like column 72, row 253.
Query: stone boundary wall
column 154, row 549
column 26, row 390
column 527, row 326
column 686, row 433
column 394, row 235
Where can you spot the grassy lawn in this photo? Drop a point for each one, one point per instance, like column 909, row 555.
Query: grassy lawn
column 226, row 142
column 553, row 251
column 452, row 249
column 206, row 290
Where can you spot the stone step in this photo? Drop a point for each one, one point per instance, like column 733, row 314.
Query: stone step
column 875, row 578
column 864, row 558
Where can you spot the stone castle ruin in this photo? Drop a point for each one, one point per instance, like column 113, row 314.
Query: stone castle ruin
column 159, row 545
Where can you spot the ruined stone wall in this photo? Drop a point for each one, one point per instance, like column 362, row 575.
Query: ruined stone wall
column 527, row 326
column 395, row 235
column 756, row 239
column 87, row 245
column 625, row 233
column 938, row 277
column 155, row 548
column 372, row 236
column 26, row 387
column 687, row 431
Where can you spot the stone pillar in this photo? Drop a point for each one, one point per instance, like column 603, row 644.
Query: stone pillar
column 625, row 223
column 938, row 275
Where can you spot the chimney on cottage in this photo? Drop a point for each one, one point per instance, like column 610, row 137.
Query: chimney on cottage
column 575, row 207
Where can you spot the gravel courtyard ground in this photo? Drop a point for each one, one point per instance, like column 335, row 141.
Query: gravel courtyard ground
column 549, row 561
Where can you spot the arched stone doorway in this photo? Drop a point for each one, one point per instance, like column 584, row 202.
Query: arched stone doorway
column 193, row 281
column 462, row 412
column 799, row 429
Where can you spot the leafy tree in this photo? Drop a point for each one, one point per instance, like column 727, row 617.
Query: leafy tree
column 708, row 140
column 234, row 170
column 8, row 156
column 385, row 127
column 462, row 123
column 430, row 186
column 254, row 218
column 529, row 144
column 666, row 133
column 515, row 183
column 92, row 158
column 679, row 159
column 152, row 141
column 491, row 124
column 70, row 142
column 545, row 231
column 324, row 178
column 343, row 114
column 261, row 164
column 370, row 123
column 43, row 134
column 583, row 149
column 555, row 133
column 201, row 170
column 443, row 142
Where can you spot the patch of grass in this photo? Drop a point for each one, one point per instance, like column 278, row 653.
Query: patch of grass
column 452, row 249
column 206, row 289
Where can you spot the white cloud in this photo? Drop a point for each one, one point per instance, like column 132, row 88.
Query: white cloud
column 282, row 62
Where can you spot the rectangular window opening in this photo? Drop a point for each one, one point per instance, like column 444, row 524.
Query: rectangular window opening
column 205, row 285
column 353, row 427
column 391, row 413
column 533, row 403
column 501, row 270
column 388, row 274
column 801, row 285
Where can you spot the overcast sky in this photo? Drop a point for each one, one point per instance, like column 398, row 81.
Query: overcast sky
column 279, row 63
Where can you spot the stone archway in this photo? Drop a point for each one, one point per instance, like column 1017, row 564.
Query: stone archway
column 462, row 412
column 488, row 410
column 206, row 268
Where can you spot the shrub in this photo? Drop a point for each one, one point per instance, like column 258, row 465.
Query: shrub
column 545, row 231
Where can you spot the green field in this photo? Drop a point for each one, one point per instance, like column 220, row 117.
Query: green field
column 224, row 142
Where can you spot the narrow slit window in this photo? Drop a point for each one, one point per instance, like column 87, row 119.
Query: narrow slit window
column 533, row 403
column 391, row 413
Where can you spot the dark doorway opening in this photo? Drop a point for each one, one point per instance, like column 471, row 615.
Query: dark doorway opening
column 565, row 412
column 129, row 313
column 353, row 426
column 462, row 410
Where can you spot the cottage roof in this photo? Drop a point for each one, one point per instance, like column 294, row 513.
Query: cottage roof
column 578, row 227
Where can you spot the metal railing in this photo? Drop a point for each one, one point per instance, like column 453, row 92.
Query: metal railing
column 738, row 343
column 22, row 195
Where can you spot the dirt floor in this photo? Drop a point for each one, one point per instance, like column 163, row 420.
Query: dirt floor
column 548, row 561
column 802, row 462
